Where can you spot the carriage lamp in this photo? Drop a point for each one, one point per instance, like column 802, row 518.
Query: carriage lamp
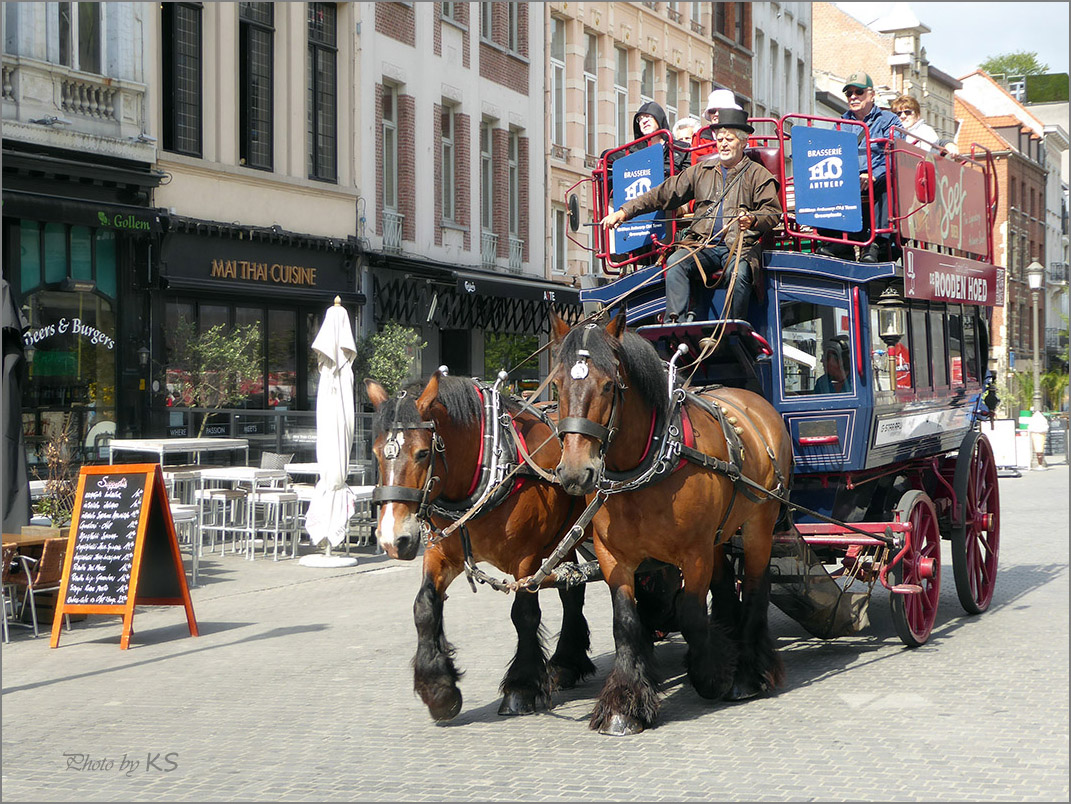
column 143, row 356
column 891, row 314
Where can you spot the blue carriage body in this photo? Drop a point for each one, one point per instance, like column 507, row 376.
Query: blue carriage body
column 915, row 404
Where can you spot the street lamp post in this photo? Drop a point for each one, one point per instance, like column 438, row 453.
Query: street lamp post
column 1035, row 275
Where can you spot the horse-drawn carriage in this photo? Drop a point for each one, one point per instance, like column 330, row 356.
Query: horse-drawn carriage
column 715, row 446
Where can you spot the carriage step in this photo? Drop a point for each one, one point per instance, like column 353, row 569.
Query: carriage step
column 906, row 589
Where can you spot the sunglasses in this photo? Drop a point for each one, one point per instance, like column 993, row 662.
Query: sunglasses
column 906, row 113
column 848, row 93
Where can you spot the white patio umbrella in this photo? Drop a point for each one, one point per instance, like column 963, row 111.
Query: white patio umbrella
column 332, row 502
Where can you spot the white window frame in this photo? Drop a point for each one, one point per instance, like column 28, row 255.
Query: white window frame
column 673, row 82
column 513, row 182
column 449, row 174
column 559, row 253
column 621, row 107
column 390, row 150
column 513, row 27
column 487, row 27
column 487, row 176
column 695, row 98
column 74, row 39
column 557, row 84
column 647, row 68
column 591, row 93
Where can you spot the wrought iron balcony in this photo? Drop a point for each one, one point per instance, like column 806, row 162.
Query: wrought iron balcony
column 697, row 27
column 675, row 16
column 559, row 151
column 1057, row 272
column 488, row 249
column 392, row 230
column 1055, row 338
column 516, row 254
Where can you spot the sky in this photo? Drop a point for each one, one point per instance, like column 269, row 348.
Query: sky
column 964, row 34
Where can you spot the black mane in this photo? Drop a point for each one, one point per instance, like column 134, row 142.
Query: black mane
column 637, row 357
column 457, row 394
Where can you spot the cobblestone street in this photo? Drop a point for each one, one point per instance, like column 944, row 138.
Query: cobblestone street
column 300, row 688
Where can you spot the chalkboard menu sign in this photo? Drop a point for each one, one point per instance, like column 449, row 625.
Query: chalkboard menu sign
column 123, row 550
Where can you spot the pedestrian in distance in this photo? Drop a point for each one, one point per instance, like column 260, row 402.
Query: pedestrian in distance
column 1038, row 428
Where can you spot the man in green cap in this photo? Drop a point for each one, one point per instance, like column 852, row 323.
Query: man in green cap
column 859, row 92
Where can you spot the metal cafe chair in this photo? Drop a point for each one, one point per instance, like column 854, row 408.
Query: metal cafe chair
column 45, row 578
column 9, row 602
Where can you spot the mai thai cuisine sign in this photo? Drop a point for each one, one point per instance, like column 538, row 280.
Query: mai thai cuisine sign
column 634, row 175
column 825, row 171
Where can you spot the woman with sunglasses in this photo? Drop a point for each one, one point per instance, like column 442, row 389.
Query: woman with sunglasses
column 920, row 133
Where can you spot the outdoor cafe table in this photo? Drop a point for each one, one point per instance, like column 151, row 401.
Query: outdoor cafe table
column 252, row 479
column 362, row 495
column 170, row 446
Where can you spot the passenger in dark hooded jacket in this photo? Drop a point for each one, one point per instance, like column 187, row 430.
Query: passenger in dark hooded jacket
column 648, row 119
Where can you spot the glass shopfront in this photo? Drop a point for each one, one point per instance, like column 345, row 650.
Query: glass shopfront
column 67, row 284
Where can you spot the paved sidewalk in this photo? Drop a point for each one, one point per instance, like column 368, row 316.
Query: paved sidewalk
column 300, row 689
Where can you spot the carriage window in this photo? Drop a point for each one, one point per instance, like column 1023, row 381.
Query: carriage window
column 971, row 347
column 888, row 360
column 805, row 329
column 920, row 348
column 937, row 347
column 955, row 344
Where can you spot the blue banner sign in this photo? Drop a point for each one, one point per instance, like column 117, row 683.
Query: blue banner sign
column 825, row 169
column 634, row 175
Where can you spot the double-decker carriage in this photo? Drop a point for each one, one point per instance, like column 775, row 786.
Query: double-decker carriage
column 893, row 457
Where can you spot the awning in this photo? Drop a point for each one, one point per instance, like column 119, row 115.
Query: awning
column 116, row 217
column 471, row 283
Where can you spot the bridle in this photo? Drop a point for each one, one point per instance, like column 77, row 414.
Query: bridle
column 582, row 425
column 407, row 494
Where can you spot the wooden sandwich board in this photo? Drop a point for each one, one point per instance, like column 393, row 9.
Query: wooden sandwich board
column 123, row 551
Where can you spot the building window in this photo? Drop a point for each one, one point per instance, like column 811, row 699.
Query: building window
column 559, row 240
column 591, row 94
column 513, row 28
column 741, row 29
column 181, row 55
column 449, row 187
column 322, row 109
column 671, row 95
column 486, row 29
column 697, row 17
column 557, row 81
column 621, row 95
column 487, row 178
column 80, row 36
column 646, row 81
column 695, row 98
column 447, row 11
column 720, row 23
column 255, row 82
column 389, row 103
column 513, row 164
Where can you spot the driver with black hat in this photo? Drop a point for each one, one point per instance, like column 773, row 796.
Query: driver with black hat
column 732, row 195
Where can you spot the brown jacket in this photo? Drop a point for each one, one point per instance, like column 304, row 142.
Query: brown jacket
column 752, row 187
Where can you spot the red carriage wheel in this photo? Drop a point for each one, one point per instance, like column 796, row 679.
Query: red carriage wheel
column 976, row 536
column 916, row 578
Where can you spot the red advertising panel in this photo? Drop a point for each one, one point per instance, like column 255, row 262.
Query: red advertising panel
column 942, row 277
column 956, row 217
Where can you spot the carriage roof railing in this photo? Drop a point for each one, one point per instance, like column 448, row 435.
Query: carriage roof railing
column 926, row 191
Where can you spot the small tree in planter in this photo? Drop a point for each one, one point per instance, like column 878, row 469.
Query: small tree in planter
column 387, row 356
column 216, row 368
column 61, row 480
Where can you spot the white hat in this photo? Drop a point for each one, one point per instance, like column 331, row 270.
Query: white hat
column 722, row 99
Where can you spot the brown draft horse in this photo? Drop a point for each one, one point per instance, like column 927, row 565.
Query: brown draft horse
column 435, row 436
column 675, row 520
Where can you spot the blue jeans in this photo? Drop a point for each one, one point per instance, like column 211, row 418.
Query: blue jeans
column 682, row 275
